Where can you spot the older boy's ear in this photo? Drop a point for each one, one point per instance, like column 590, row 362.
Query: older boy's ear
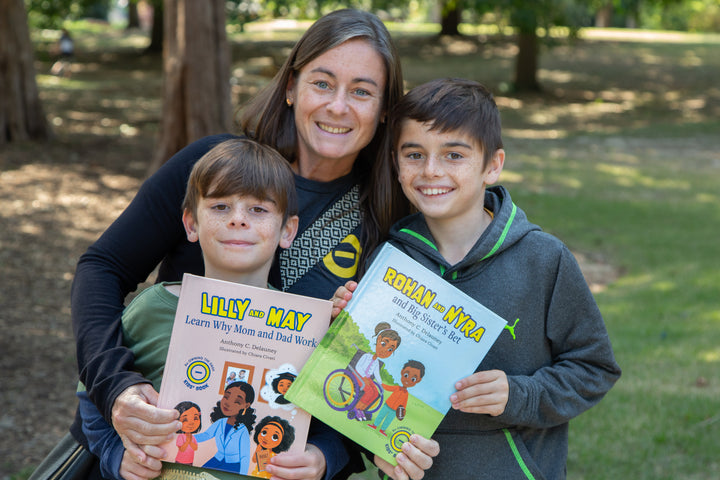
column 190, row 226
column 289, row 230
column 495, row 168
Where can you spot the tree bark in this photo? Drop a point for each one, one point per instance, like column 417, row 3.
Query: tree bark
column 526, row 64
column 21, row 113
column 603, row 17
column 450, row 18
column 525, row 21
column 133, row 15
column 196, row 70
column 157, row 32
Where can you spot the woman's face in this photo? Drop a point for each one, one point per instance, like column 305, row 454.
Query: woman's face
column 233, row 402
column 337, row 101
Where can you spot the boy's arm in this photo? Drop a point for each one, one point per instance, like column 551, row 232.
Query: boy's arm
column 103, row 441
column 583, row 367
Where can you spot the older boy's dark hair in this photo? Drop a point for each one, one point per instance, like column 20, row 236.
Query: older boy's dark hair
column 242, row 167
column 452, row 104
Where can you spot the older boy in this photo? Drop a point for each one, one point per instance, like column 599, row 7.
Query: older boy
column 509, row 420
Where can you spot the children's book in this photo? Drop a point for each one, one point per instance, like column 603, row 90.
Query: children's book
column 389, row 362
column 233, row 353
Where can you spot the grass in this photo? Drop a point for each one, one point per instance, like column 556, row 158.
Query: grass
column 618, row 157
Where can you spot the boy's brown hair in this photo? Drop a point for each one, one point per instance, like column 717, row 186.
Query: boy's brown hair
column 452, row 104
column 242, row 167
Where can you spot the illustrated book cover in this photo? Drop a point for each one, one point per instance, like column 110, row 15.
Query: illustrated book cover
column 233, row 353
column 389, row 362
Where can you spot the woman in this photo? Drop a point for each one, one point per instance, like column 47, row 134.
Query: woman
column 325, row 112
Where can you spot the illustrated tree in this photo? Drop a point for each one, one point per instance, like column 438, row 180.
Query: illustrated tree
column 196, row 75
column 21, row 113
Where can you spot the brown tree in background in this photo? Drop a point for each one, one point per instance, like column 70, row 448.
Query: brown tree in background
column 196, row 75
column 21, row 113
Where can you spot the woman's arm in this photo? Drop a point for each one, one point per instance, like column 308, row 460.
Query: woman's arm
column 149, row 230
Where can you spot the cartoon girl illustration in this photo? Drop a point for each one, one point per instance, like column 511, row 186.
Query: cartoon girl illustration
column 191, row 423
column 280, row 385
column 272, row 435
column 232, row 437
column 368, row 367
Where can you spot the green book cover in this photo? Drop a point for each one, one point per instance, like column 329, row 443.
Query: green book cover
column 388, row 364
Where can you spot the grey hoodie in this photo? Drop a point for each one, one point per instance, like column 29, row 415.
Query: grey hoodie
column 555, row 349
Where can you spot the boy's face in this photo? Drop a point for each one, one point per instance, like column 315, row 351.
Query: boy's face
column 410, row 376
column 442, row 174
column 238, row 234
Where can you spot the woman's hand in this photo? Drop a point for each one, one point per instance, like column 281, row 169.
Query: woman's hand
column 138, row 421
column 309, row 465
column 416, row 457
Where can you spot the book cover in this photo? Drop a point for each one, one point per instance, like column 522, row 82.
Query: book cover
column 389, row 362
column 233, row 353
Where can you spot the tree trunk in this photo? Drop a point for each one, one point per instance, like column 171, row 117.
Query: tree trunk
column 603, row 17
column 133, row 15
column 157, row 33
column 196, row 70
column 526, row 64
column 21, row 113
column 450, row 18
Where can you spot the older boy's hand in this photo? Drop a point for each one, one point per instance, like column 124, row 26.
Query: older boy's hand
column 416, row 457
column 482, row 392
column 138, row 421
column 342, row 296
column 131, row 469
column 309, row 465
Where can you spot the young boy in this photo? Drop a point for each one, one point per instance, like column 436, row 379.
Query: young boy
column 240, row 205
column 509, row 420
column 410, row 375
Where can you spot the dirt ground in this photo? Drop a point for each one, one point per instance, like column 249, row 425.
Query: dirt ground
column 52, row 206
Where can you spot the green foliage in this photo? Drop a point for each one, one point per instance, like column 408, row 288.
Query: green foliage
column 52, row 13
column 690, row 15
column 240, row 12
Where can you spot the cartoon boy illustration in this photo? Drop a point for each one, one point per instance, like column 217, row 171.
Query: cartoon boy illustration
column 191, row 423
column 272, row 436
column 410, row 375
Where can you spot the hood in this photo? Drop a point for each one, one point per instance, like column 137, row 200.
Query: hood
column 509, row 226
